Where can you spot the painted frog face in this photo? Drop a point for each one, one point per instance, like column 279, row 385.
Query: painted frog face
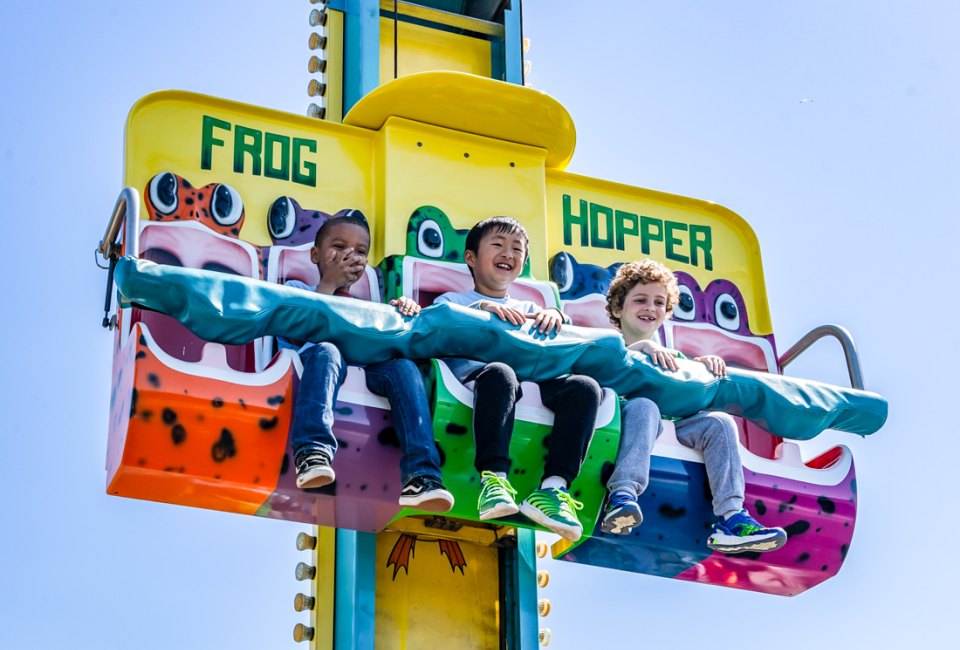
column 714, row 321
column 289, row 224
column 583, row 289
column 218, row 206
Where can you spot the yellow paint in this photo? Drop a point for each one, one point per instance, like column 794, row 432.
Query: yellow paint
column 475, row 175
column 471, row 104
column 424, row 48
column 164, row 134
column 735, row 249
column 415, row 610
column 334, row 66
column 322, row 616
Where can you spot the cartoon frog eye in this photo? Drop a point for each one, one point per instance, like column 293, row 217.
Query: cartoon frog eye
column 686, row 308
column 727, row 312
column 561, row 272
column 226, row 206
column 281, row 218
column 163, row 193
column 430, row 239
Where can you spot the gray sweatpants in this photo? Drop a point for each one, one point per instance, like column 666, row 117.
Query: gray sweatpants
column 713, row 433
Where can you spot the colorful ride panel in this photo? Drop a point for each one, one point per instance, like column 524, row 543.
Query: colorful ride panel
column 240, row 190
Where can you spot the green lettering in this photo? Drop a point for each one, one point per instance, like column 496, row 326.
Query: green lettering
column 208, row 141
column 310, row 177
column 701, row 239
column 672, row 241
column 253, row 146
column 270, row 144
column 595, row 240
column 648, row 234
column 621, row 219
column 570, row 219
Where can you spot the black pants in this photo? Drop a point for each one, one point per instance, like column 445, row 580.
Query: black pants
column 574, row 401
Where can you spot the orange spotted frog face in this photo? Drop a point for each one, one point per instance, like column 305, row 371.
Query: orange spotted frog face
column 218, row 206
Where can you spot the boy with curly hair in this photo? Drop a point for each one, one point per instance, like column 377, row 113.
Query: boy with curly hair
column 642, row 296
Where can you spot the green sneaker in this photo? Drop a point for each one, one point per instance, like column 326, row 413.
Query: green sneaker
column 497, row 497
column 553, row 508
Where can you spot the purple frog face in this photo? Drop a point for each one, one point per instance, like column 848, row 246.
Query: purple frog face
column 291, row 225
column 714, row 321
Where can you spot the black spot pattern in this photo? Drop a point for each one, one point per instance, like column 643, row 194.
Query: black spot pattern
column 668, row 511
column 388, row 437
column 133, row 402
column 285, row 464
column 275, row 400
column 455, row 429
column 225, row 447
column 803, row 557
column 269, row 423
column 827, row 505
column 169, row 416
column 797, row 528
column 843, row 551
column 178, row 434
column 154, row 380
column 760, row 507
column 217, row 402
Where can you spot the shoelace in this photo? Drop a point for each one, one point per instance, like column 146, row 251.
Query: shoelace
column 563, row 495
column 497, row 485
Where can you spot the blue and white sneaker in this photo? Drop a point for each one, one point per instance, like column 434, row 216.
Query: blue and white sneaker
column 741, row 533
column 622, row 514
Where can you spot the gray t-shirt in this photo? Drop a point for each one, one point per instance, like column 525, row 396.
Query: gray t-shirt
column 464, row 368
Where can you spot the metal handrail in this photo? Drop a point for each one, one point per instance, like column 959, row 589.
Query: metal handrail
column 126, row 212
column 846, row 342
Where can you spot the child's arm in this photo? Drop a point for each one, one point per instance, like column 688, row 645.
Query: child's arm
column 660, row 355
column 406, row 306
column 509, row 314
column 714, row 364
column 547, row 321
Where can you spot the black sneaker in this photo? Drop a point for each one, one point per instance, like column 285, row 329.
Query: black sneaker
column 426, row 493
column 313, row 470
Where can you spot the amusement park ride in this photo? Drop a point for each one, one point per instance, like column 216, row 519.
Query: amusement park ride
column 423, row 124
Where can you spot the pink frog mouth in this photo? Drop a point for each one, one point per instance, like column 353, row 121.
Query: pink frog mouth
column 695, row 339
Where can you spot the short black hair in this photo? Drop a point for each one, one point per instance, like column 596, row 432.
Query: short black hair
column 355, row 217
column 506, row 225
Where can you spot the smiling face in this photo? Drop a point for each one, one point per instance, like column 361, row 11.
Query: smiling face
column 644, row 310
column 497, row 262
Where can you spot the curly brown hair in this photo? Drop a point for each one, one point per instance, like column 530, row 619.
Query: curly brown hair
column 643, row 272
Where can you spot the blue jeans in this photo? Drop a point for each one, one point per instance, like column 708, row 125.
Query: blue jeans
column 398, row 380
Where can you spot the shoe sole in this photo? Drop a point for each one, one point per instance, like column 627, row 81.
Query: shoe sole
column 565, row 531
column 760, row 546
column 502, row 509
column 432, row 501
column 316, row 478
column 621, row 524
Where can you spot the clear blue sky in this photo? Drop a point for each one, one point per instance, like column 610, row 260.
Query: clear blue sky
column 852, row 196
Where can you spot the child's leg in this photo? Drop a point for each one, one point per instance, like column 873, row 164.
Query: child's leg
column 323, row 372
column 574, row 400
column 640, row 426
column 401, row 383
column 715, row 434
column 496, row 392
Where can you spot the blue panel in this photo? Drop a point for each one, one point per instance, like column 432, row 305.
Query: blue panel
column 527, row 587
column 677, row 518
column 512, row 45
column 355, row 594
column 361, row 50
